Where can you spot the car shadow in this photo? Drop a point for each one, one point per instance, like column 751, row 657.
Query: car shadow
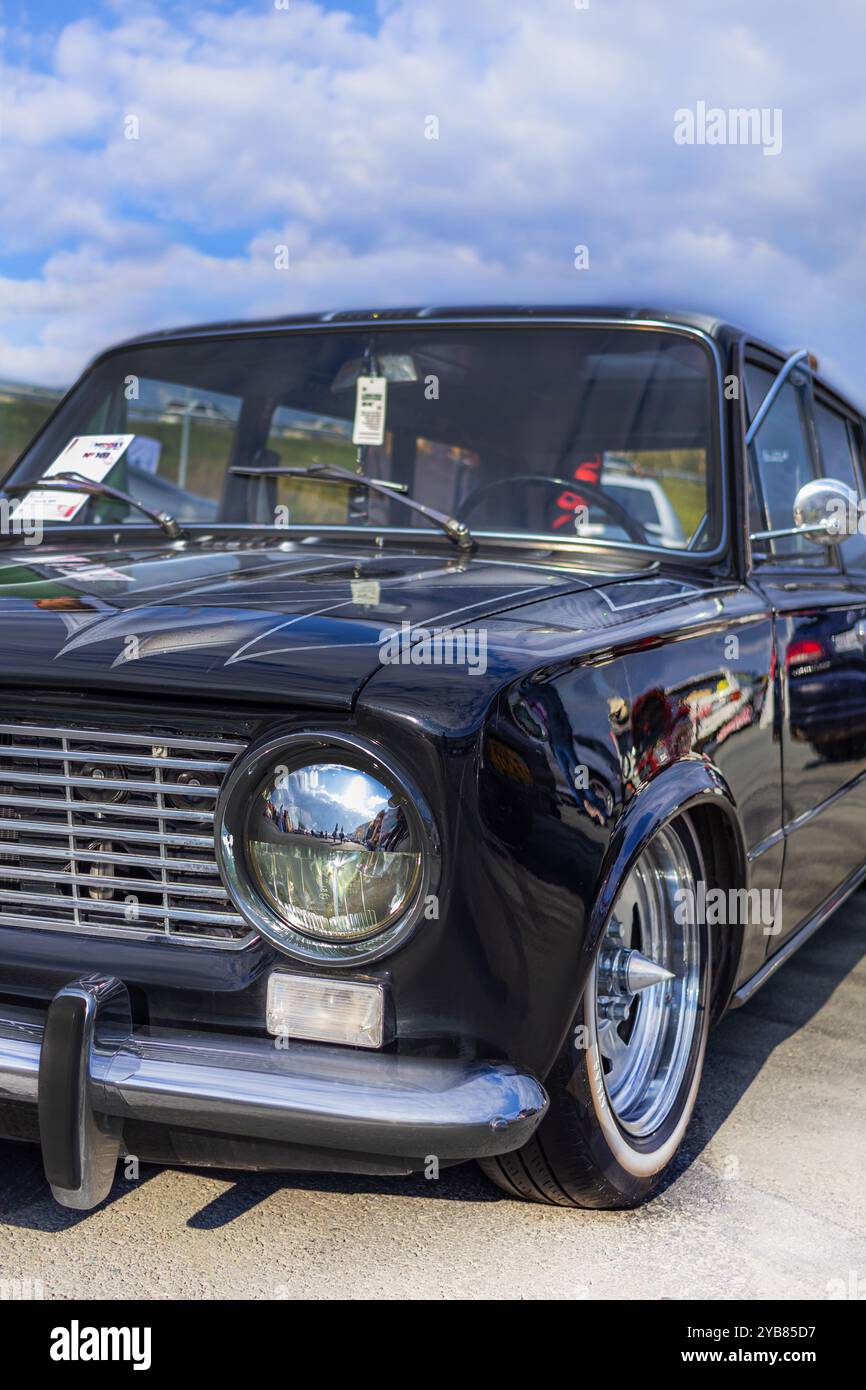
column 740, row 1046
column 463, row 1183
column 737, row 1052
column 25, row 1197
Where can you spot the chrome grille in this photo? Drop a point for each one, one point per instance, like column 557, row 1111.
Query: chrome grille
column 111, row 832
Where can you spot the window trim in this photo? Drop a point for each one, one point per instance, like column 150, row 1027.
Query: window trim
column 756, row 355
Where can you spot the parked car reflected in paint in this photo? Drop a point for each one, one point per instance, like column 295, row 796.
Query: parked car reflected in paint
column 290, row 879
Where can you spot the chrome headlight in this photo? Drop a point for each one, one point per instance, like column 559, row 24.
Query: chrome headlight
column 325, row 847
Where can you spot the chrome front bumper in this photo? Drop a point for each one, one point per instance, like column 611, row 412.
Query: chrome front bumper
column 88, row 1072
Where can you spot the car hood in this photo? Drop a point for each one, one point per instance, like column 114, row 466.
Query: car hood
column 293, row 621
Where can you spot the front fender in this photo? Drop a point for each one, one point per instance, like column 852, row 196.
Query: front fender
column 532, row 862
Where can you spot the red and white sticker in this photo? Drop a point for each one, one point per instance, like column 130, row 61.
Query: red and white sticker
column 91, row 455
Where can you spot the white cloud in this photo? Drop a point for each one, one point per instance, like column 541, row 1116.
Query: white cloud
column 297, row 126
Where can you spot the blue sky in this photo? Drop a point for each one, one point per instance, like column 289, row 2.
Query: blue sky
column 258, row 127
column 42, row 16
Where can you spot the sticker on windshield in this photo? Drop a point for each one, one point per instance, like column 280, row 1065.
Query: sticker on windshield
column 370, row 400
column 91, row 455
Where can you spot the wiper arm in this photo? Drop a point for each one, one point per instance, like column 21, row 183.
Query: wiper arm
column 76, row 482
column 455, row 530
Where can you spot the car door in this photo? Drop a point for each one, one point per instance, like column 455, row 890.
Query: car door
column 818, row 595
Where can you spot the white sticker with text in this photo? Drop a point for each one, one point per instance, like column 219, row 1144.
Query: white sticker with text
column 91, row 455
column 370, row 399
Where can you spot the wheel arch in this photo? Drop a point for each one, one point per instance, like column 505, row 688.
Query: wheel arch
column 690, row 786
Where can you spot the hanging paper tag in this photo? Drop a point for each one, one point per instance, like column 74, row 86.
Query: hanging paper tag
column 370, row 400
column 91, row 455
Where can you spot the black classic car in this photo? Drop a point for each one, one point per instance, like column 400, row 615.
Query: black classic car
column 416, row 730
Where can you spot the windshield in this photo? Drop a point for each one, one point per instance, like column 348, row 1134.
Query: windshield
column 580, row 433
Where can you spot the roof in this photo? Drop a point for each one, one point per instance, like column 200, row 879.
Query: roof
column 714, row 327
column 706, row 323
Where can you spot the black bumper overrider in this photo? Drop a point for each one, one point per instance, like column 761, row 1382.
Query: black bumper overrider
column 89, row 1071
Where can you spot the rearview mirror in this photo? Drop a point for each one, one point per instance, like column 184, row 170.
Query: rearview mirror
column 826, row 512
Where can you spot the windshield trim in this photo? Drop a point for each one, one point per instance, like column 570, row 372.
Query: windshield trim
column 115, row 532
column 577, row 546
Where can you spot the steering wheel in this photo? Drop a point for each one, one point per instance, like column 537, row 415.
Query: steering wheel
column 614, row 509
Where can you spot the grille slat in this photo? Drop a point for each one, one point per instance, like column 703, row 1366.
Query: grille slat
column 113, row 929
column 112, row 882
column 114, row 909
column 105, row 784
column 96, row 808
column 135, row 760
column 185, row 914
column 187, row 866
column 200, row 745
column 111, row 832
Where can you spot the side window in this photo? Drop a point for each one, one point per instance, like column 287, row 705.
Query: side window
column 781, row 461
column 838, row 461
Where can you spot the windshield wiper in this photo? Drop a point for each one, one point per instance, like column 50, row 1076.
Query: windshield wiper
column 455, row 530
column 76, row 482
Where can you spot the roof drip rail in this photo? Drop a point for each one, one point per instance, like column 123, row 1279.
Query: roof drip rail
column 801, row 355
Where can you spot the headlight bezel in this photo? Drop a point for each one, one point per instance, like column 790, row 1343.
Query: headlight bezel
column 294, row 749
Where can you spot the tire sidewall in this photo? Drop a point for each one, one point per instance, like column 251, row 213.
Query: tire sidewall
column 630, row 1164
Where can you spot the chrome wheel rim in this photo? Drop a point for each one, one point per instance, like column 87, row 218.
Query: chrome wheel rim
column 647, row 987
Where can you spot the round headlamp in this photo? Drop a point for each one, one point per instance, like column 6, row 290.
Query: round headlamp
column 325, row 847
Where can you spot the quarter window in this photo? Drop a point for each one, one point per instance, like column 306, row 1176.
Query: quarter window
column 782, row 461
column 837, row 459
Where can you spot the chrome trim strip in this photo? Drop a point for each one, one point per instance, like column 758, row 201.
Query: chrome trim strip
column 820, row 807
column 767, row 403
column 763, row 846
column 800, row 937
